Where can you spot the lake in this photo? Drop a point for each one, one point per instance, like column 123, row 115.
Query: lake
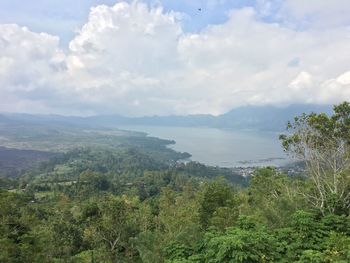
column 218, row 147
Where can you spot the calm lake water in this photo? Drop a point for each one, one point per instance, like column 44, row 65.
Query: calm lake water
column 225, row 148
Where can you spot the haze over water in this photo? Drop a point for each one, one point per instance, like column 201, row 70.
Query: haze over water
column 218, row 147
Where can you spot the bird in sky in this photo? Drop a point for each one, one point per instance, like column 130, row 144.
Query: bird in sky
column 199, row 9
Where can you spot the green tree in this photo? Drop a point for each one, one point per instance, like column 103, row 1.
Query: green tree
column 249, row 242
column 218, row 205
column 323, row 143
column 274, row 196
column 111, row 227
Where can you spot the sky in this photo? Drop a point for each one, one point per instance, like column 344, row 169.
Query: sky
column 161, row 57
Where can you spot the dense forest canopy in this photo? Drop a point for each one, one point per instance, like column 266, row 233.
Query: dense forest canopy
column 119, row 197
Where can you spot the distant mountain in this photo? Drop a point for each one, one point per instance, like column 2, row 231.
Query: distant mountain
column 4, row 119
column 44, row 119
column 266, row 118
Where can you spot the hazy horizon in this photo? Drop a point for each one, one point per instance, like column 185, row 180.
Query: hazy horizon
column 296, row 106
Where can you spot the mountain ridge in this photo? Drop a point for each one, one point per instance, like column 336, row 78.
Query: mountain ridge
column 266, row 118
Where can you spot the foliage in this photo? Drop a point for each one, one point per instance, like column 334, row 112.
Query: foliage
column 274, row 196
column 126, row 205
column 323, row 143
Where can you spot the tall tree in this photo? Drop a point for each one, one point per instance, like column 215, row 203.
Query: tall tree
column 323, row 143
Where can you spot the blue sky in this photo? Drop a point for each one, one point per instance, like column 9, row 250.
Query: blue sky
column 134, row 58
column 64, row 17
column 57, row 17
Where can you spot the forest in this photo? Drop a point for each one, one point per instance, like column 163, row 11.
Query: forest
column 107, row 196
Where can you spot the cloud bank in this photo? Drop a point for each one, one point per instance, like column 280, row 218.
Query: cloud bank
column 135, row 59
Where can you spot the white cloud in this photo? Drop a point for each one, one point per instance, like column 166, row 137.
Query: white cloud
column 324, row 13
column 344, row 79
column 332, row 90
column 29, row 62
column 135, row 60
column 301, row 14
